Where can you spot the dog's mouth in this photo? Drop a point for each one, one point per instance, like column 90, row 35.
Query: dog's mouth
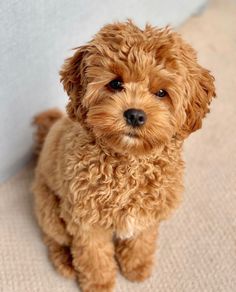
column 132, row 135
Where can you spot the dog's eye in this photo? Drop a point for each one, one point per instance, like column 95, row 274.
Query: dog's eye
column 116, row 85
column 161, row 93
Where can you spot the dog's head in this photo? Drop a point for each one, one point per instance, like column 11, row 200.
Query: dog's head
column 137, row 89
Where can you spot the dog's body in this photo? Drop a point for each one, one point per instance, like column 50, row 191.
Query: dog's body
column 109, row 173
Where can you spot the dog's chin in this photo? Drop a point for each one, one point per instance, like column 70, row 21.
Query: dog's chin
column 130, row 144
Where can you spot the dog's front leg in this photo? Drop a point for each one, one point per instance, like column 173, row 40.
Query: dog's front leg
column 93, row 259
column 135, row 255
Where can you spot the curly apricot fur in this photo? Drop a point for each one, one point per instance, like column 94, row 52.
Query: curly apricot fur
column 102, row 187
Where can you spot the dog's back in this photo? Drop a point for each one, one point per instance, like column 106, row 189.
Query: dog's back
column 43, row 122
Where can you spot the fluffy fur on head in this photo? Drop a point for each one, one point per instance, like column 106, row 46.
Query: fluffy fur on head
column 146, row 61
column 105, row 179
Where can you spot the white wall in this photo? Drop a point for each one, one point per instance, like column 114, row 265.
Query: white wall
column 36, row 36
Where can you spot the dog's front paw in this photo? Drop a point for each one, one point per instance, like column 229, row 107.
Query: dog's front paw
column 97, row 287
column 136, row 271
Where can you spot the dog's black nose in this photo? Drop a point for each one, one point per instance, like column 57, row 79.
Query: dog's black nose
column 135, row 117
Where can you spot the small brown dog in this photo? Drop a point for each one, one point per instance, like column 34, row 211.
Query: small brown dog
column 111, row 170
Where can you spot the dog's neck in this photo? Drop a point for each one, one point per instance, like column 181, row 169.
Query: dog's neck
column 161, row 151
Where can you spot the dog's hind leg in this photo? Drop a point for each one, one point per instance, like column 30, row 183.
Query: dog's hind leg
column 61, row 257
column 47, row 209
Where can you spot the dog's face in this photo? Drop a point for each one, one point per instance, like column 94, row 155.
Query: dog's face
column 136, row 90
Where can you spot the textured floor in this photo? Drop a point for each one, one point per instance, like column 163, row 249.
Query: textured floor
column 198, row 245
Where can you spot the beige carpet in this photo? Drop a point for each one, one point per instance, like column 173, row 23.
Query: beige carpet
column 198, row 245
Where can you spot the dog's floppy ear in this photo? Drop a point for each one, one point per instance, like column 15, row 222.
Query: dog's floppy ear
column 73, row 78
column 200, row 90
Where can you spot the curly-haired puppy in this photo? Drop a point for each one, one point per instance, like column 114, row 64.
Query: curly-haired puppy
column 112, row 169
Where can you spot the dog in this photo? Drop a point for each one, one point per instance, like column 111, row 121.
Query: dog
column 111, row 169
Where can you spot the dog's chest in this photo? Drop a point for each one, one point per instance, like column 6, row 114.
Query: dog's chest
column 114, row 182
column 124, row 194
